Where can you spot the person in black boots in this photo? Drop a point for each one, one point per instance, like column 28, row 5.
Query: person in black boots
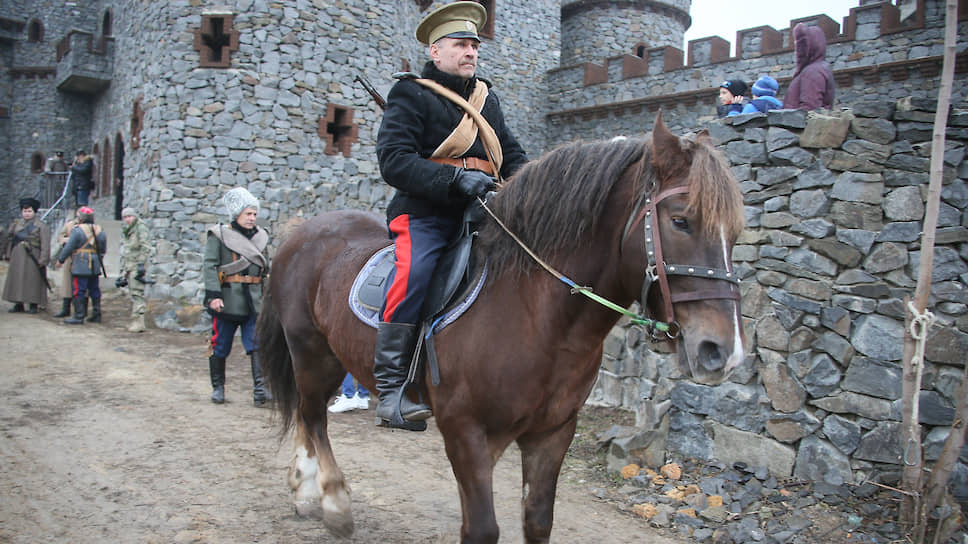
column 439, row 159
column 86, row 245
column 28, row 251
column 235, row 265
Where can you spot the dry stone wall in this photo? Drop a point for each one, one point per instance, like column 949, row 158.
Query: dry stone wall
column 834, row 210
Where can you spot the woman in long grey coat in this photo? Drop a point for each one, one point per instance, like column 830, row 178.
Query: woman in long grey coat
column 29, row 252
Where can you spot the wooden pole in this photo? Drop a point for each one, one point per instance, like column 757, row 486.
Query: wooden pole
column 913, row 506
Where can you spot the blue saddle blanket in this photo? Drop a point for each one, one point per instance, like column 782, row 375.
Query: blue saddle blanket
column 369, row 290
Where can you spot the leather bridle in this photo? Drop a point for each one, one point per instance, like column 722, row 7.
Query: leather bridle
column 648, row 215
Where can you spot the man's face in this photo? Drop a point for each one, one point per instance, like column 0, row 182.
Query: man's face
column 247, row 218
column 128, row 219
column 455, row 56
column 27, row 213
column 725, row 97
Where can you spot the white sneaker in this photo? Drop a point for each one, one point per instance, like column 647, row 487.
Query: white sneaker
column 343, row 404
column 363, row 403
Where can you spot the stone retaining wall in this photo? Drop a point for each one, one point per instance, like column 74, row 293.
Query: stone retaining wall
column 834, row 205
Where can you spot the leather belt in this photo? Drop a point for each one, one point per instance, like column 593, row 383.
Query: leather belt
column 472, row 163
column 238, row 278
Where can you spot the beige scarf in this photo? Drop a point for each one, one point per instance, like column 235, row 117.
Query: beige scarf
column 472, row 124
column 250, row 250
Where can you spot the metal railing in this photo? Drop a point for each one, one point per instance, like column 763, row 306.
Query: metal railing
column 56, row 185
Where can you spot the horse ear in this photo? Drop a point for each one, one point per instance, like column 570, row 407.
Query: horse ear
column 667, row 153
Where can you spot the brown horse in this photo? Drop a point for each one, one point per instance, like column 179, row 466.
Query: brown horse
column 519, row 364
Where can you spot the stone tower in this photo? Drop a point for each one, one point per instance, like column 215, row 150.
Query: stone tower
column 595, row 29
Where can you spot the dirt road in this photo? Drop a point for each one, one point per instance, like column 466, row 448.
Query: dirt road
column 109, row 436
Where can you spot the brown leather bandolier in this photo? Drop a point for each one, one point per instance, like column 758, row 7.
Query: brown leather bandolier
column 239, row 278
column 472, row 163
column 472, row 126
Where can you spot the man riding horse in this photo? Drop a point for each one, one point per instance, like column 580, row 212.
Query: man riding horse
column 440, row 151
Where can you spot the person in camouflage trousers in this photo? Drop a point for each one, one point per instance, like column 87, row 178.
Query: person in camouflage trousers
column 134, row 259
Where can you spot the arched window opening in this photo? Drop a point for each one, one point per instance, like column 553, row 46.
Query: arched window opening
column 37, row 163
column 106, row 23
column 35, row 31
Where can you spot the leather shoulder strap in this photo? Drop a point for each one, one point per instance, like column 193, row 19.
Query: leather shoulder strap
column 492, row 146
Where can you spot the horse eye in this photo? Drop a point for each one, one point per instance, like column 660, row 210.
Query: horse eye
column 680, row 223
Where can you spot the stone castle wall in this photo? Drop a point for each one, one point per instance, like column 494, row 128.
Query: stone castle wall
column 592, row 29
column 834, row 209
column 41, row 120
column 293, row 61
column 872, row 55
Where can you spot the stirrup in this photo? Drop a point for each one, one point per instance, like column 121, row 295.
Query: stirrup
column 396, row 421
column 401, row 424
column 417, row 411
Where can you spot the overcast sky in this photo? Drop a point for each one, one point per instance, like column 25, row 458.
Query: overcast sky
column 723, row 18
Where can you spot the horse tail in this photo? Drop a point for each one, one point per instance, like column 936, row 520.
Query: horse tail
column 277, row 362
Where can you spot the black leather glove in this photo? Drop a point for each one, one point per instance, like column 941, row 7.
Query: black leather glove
column 122, row 281
column 473, row 183
column 140, row 274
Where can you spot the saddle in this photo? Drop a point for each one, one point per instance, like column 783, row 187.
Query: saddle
column 455, row 285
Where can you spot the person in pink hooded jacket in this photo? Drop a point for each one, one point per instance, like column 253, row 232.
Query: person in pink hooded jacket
column 813, row 81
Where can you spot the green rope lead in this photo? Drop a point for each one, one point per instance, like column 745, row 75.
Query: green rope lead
column 636, row 319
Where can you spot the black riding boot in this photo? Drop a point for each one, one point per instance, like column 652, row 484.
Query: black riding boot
column 259, row 393
column 65, row 308
column 17, row 308
column 96, row 310
column 80, row 310
column 216, row 368
column 395, row 343
column 32, row 308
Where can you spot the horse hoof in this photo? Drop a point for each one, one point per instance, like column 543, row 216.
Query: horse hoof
column 309, row 509
column 337, row 517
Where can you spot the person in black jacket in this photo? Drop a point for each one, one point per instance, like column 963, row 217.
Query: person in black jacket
column 82, row 172
column 431, row 151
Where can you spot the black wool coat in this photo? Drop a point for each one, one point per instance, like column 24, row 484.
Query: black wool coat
column 416, row 122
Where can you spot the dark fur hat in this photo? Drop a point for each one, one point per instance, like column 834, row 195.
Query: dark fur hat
column 29, row 203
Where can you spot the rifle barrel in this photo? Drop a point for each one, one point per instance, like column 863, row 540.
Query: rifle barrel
column 377, row 97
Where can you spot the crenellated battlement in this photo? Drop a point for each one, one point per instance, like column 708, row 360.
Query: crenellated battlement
column 865, row 23
column 876, row 47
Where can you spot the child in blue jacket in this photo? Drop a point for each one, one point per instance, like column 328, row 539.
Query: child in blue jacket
column 764, row 96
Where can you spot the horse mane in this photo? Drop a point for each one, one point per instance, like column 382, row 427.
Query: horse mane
column 553, row 201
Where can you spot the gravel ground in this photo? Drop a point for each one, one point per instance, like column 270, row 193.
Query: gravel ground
column 739, row 504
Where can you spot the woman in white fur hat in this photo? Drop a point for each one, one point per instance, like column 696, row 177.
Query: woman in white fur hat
column 236, row 264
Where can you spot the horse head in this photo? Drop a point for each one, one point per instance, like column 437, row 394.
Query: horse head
column 690, row 221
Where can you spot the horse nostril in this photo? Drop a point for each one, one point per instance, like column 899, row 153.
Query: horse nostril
column 710, row 356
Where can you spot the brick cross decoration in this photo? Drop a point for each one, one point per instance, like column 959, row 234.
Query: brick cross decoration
column 337, row 129
column 216, row 40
